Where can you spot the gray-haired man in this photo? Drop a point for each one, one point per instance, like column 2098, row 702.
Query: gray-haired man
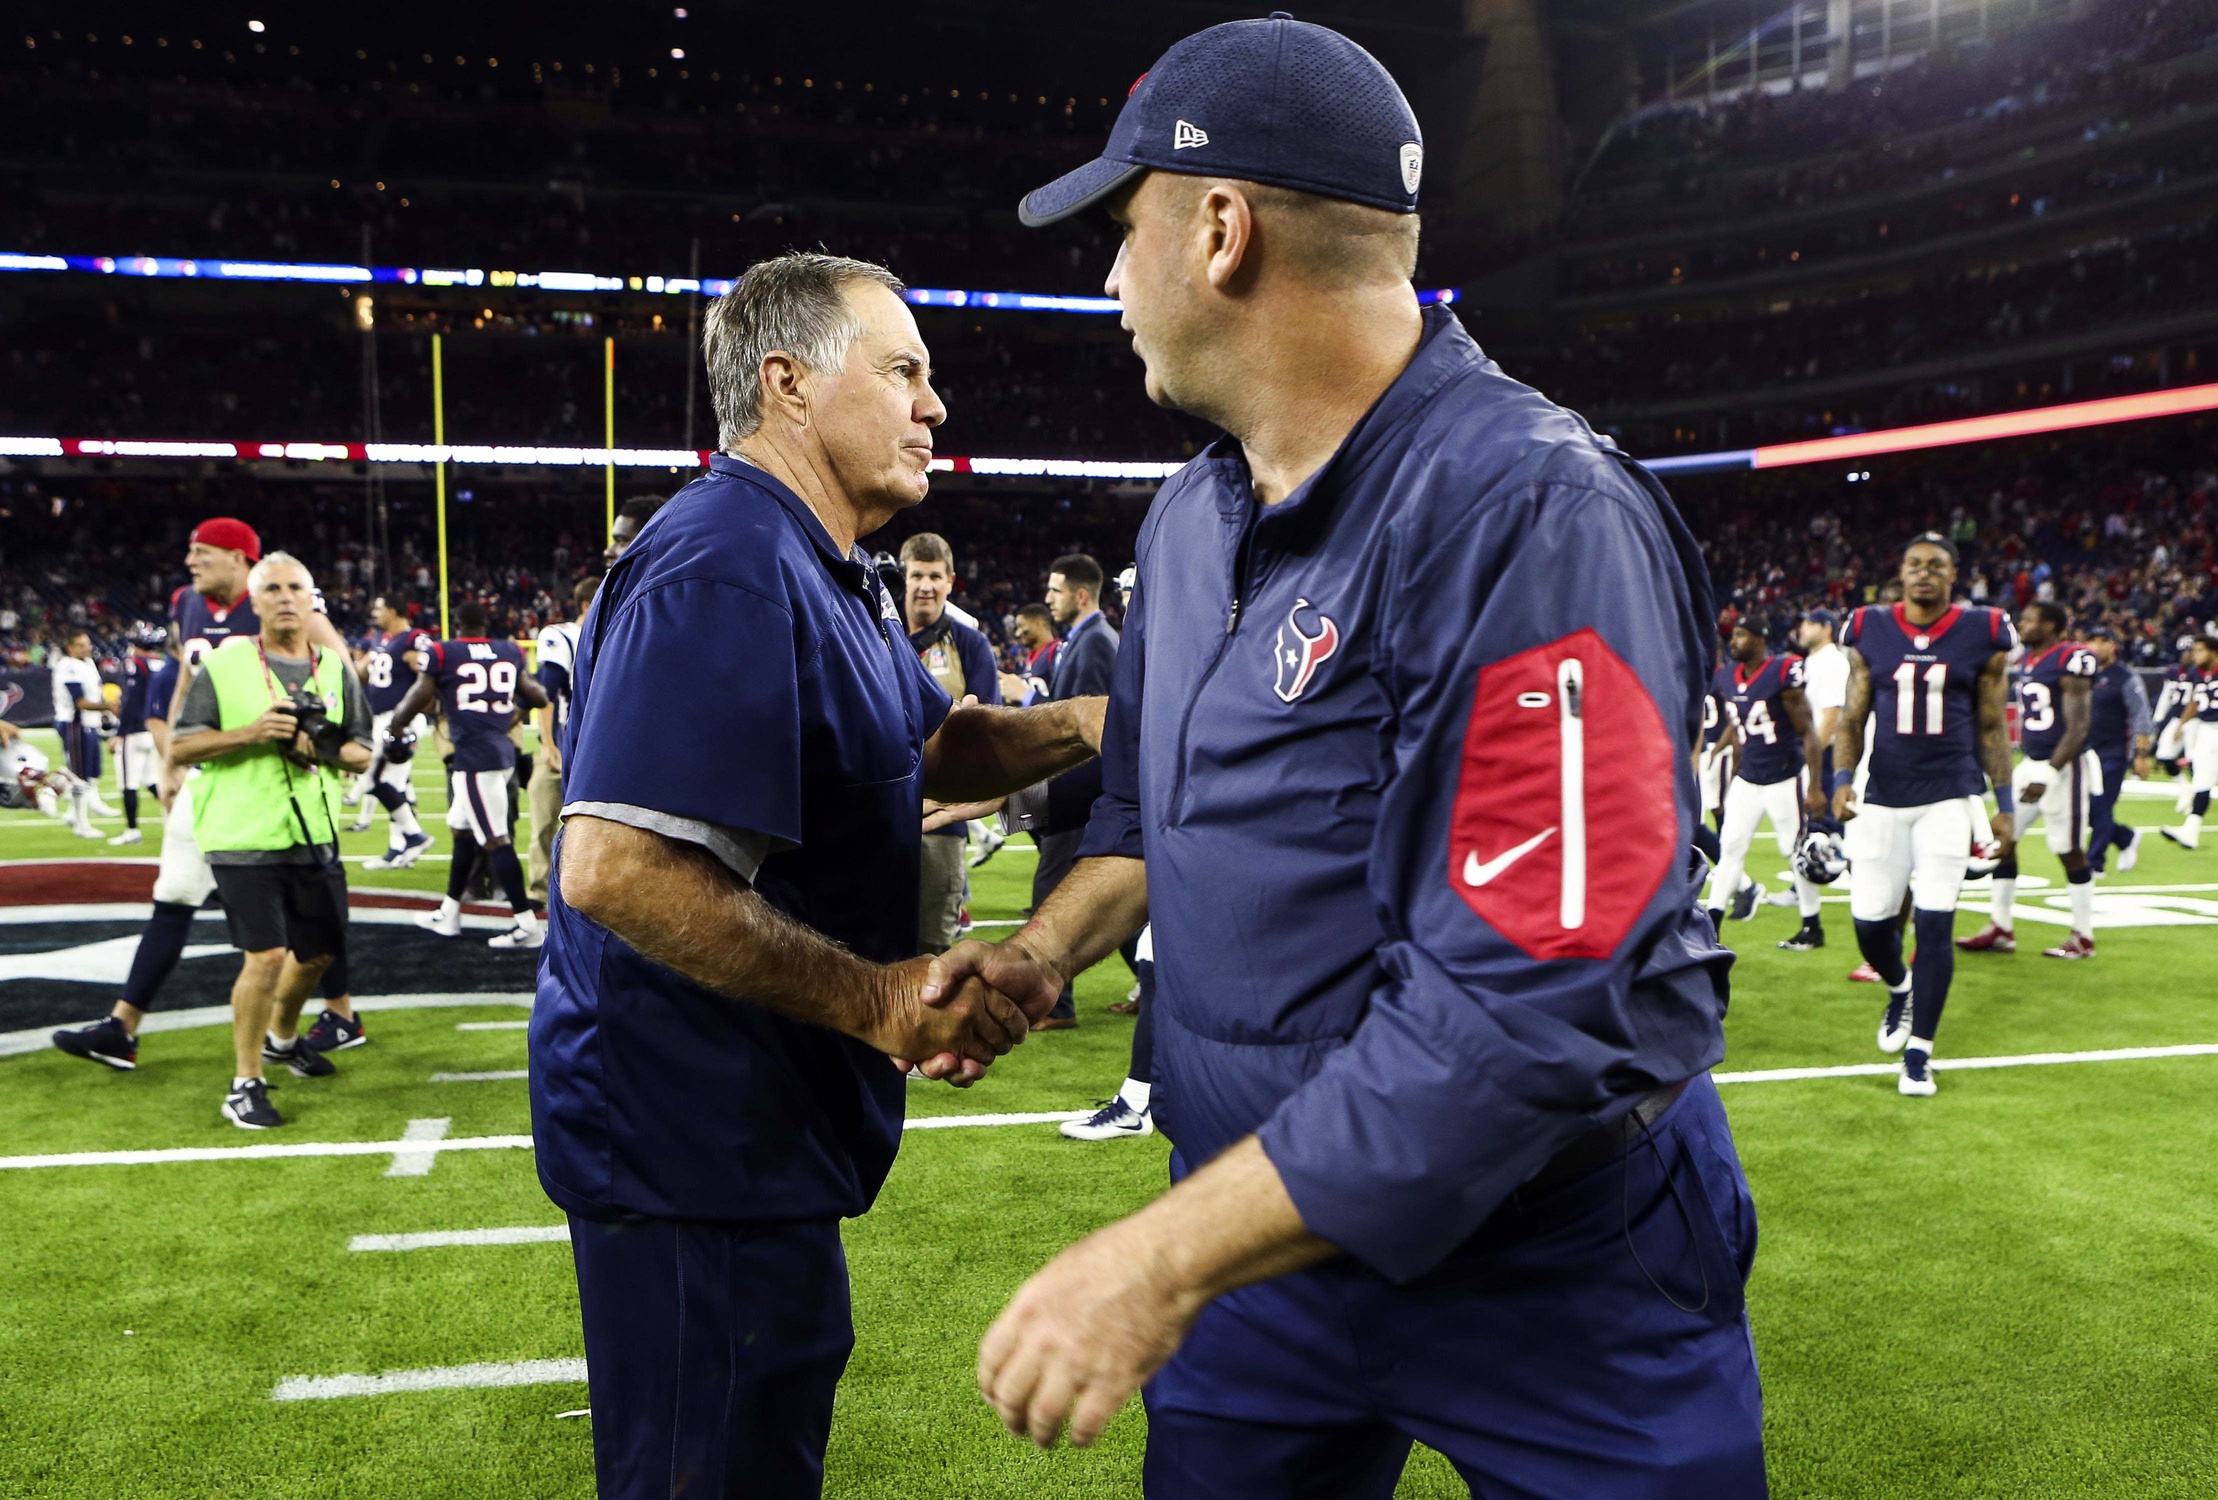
column 733, row 917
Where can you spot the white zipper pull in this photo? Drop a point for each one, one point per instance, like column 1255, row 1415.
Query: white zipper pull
column 1570, row 679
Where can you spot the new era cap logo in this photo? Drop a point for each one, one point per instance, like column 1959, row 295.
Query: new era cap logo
column 1413, row 165
column 1188, row 135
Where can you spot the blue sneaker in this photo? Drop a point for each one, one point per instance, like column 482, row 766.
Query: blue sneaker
column 303, row 1059
column 401, row 856
column 333, row 1032
column 104, row 1041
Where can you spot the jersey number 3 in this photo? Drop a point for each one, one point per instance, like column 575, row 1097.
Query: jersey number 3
column 476, row 678
column 1906, row 697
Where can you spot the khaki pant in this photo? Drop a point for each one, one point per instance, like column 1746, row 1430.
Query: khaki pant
column 940, row 892
column 546, row 812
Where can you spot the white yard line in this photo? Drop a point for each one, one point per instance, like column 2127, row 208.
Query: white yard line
column 952, row 1122
column 39, row 1037
column 529, row 1234
column 2021, row 1060
column 502, row 1075
column 441, row 1378
column 267, row 1152
column 418, row 1163
column 492, row 1025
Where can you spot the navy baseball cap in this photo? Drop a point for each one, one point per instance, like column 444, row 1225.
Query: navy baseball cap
column 1822, row 616
column 1277, row 101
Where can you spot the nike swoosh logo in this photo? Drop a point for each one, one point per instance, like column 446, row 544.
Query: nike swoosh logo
column 1476, row 874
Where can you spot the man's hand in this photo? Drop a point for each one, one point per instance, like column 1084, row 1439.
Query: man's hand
column 1813, row 799
column 1083, row 1335
column 169, row 784
column 2141, row 767
column 954, row 1031
column 2006, row 832
column 1010, row 968
column 940, row 814
column 1844, row 801
column 2033, row 792
column 278, row 723
column 1013, row 688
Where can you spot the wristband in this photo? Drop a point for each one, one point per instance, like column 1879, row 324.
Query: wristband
column 1841, row 779
column 2006, row 800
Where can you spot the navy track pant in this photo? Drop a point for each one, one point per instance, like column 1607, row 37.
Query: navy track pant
column 1546, row 1358
column 712, row 1352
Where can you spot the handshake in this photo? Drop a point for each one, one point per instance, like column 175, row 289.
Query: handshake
column 951, row 1016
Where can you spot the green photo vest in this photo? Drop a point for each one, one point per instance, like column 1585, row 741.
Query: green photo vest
column 246, row 800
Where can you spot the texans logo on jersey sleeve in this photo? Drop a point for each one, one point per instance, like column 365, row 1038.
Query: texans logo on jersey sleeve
column 1564, row 824
column 1301, row 652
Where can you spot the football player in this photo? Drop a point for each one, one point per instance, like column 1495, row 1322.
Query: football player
column 1933, row 678
column 2198, row 713
column 1778, row 741
column 477, row 683
column 78, row 705
column 138, row 763
column 2056, row 783
column 388, row 670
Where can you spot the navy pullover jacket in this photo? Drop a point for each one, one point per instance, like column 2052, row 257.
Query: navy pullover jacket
column 1407, row 758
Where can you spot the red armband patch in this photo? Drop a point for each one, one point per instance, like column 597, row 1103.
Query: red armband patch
column 1565, row 820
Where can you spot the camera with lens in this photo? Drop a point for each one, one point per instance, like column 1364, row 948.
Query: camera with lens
column 326, row 738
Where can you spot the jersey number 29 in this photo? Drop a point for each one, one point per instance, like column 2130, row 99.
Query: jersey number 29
column 476, row 678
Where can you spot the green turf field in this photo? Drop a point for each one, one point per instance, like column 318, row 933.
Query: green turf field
column 2003, row 1291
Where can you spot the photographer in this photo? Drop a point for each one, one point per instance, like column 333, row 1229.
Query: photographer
column 273, row 720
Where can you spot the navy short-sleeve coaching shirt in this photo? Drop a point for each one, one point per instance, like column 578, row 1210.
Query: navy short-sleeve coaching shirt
column 737, row 670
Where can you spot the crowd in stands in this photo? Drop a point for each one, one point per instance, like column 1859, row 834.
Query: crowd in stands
column 1016, row 385
column 103, row 556
column 2119, row 526
column 2170, row 270
column 2184, row 158
column 1761, row 151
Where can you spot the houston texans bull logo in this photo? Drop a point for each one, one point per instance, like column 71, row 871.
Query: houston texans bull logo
column 1301, row 653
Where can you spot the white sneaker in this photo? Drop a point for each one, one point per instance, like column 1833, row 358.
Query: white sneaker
column 360, row 825
column 85, row 832
column 2181, row 837
column 100, row 809
column 1894, row 1026
column 518, row 937
column 401, row 858
column 1916, row 1079
column 128, row 836
column 1114, row 1118
column 351, row 799
column 1784, row 896
column 445, row 921
column 2130, row 855
column 989, row 844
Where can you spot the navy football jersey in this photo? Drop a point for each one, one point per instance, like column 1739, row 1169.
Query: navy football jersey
column 1770, row 749
column 1713, row 716
column 477, row 696
column 136, row 674
column 1925, row 696
column 386, row 674
column 161, row 688
column 202, row 626
column 2041, row 694
column 2202, row 696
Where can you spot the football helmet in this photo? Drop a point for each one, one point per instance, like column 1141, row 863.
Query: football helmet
column 1818, row 858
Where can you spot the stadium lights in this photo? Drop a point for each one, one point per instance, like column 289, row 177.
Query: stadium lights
column 553, row 281
column 2099, row 413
